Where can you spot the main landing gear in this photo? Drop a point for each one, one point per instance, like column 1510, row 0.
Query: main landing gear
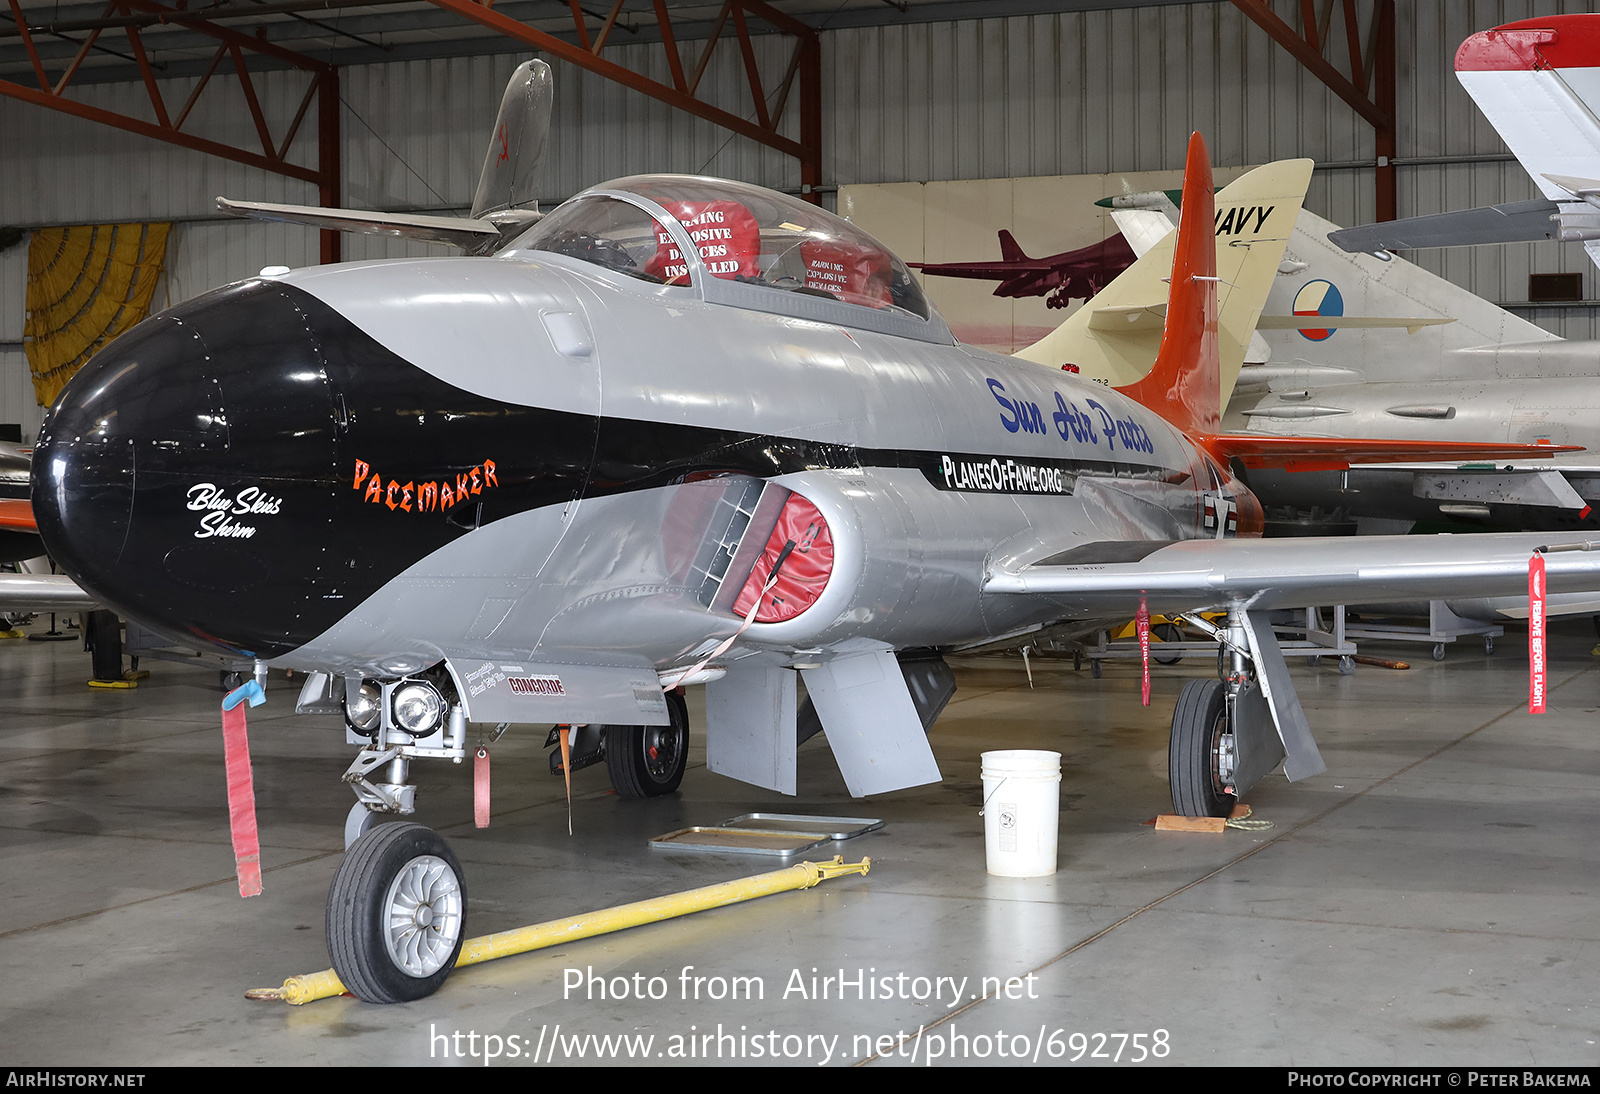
column 1228, row 733
column 643, row 761
column 1200, row 756
column 649, row 761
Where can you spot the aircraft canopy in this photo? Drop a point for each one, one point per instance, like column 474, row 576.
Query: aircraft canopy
column 741, row 233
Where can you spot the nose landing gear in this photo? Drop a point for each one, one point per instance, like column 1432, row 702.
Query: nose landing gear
column 396, row 914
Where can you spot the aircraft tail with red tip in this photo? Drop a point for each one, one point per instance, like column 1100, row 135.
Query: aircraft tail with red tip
column 1185, row 384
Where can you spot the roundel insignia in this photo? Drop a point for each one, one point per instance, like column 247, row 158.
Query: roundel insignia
column 1318, row 298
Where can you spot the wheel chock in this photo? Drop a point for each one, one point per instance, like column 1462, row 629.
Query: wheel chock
column 1172, row 822
column 113, row 683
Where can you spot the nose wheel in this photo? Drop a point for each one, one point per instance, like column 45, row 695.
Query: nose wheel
column 649, row 761
column 396, row 914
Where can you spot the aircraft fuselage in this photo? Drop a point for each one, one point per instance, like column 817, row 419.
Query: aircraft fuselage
column 369, row 468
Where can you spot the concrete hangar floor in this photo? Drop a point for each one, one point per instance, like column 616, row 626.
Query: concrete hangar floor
column 1430, row 900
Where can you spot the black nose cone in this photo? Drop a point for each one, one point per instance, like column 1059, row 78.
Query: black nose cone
column 149, row 390
column 163, row 472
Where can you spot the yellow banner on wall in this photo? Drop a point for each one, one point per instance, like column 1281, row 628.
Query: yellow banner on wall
column 86, row 285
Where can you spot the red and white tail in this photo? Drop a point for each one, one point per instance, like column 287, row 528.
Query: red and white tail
column 1185, row 385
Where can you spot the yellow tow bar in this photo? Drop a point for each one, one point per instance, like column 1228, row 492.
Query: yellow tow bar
column 324, row 985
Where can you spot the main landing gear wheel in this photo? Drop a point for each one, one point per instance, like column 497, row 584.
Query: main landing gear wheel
column 648, row 761
column 396, row 913
column 1166, row 632
column 1200, row 751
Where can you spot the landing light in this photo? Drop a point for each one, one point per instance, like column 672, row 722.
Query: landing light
column 363, row 713
column 418, row 707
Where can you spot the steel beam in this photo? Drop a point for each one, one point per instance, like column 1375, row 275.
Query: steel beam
column 808, row 150
column 273, row 156
column 1372, row 71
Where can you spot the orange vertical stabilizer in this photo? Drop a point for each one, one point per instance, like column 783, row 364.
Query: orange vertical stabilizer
column 1185, row 385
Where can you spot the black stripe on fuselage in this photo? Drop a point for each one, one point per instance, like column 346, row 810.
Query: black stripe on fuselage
column 297, row 404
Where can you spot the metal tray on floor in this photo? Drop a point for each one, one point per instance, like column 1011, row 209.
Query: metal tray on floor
column 781, row 835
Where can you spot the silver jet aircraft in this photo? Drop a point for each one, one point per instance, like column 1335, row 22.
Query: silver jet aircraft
column 681, row 430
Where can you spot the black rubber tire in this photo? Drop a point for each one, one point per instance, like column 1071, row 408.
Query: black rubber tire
column 1168, row 632
column 649, row 761
column 357, row 913
column 1198, row 722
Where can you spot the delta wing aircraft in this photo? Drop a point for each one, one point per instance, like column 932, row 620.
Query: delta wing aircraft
column 680, row 430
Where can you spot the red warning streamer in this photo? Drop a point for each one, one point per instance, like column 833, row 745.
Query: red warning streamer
column 1142, row 621
column 1537, row 654
column 241, row 792
column 480, row 788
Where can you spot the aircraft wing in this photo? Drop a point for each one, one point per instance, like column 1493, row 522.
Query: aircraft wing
column 1264, row 574
column 1513, row 222
column 464, row 232
column 43, row 593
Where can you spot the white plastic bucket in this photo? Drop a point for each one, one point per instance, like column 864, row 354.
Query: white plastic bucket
column 1021, row 808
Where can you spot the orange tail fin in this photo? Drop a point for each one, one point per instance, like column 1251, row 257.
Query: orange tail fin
column 1185, row 386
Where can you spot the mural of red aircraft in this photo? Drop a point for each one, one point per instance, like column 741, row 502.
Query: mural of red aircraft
column 1068, row 276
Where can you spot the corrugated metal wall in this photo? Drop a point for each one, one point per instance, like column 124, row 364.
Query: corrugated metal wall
column 1049, row 94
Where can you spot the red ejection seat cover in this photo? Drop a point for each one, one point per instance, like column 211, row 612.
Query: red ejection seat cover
column 854, row 275
column 727, row 236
